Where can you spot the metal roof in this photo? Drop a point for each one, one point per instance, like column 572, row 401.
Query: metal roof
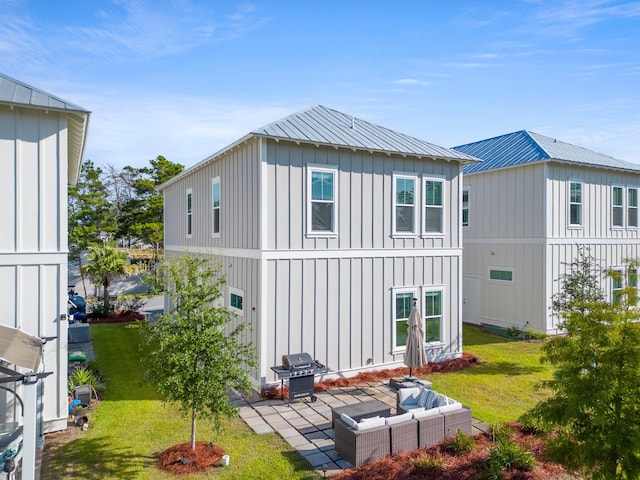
column 325, row 126
column 524, row 147
column 318, row 125
column 16, row 93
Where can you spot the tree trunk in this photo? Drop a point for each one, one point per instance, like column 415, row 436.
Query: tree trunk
column 193, row 429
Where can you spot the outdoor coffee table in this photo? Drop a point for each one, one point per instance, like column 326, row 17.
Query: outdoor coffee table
column 361, row 410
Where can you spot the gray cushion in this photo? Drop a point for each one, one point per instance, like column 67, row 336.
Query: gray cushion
column 426, row 398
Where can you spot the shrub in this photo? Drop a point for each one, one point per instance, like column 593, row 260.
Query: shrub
column 461, row 443
column 507, row 455
column 131, row 303
column 427, row 464
column 83, row 376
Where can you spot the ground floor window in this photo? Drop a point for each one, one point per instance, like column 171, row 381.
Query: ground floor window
column 236, row 300
column 403, row 302
column 430, row 307
column 433, row 316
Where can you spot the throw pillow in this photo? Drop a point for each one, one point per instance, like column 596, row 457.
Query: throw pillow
column 351, row 423
column 426, row 398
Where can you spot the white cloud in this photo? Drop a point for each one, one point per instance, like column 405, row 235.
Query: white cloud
column 412, row 81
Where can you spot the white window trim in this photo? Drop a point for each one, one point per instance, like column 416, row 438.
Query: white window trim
column 189, row 218
column 423, row 291
column 214, row 234
column 423, row 197
column 466, row 188
column 569, row 203
column 502, row 269
column 322, row 168
column 624, row 271
column 623, row 206
column 394, row 292
column 637, row 189
column 239, row 293
column 416, row 198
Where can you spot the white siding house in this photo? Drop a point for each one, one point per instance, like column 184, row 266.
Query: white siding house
column 327, row 226
column 530, row 205
column 42, row 138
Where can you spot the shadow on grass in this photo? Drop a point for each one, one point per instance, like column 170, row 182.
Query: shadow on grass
column 95, row 459
column 475, row 336
column 503, row 368
column 299, row 464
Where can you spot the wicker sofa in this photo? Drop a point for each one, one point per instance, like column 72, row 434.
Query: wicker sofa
column 371, row 439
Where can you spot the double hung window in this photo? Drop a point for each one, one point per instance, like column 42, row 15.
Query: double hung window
column 322, row 202
column 433, row 206
column 215, row 206
column 465, row 207
column 189, row 211
column 433, row 316
column 575, row 203
column 632, row 207
column 404, row 195
column 617, row 211
column 403, row 303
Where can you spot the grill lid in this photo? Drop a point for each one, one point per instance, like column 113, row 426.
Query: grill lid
column 297, row 360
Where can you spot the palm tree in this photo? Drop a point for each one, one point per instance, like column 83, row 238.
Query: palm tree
column 106, row 263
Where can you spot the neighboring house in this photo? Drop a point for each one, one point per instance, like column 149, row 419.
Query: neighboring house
column 42, row 138
column 527, row 209
column 327, row 227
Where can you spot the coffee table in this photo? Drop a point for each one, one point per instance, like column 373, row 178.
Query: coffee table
column 358, row 411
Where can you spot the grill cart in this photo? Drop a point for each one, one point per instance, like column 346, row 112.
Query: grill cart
column 299, row 369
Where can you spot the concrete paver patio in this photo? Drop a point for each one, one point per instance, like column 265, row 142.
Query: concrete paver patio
column 306, row 425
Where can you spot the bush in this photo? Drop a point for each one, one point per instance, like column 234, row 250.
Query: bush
column 101, row 309
column 461, row 443
column 83, row 376
column 130, row 303
column 506, row 455
column 427, row 464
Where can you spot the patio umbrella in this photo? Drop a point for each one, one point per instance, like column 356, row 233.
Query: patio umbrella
column 414, row 356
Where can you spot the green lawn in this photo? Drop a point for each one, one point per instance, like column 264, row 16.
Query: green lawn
column 131, row 425
column 501, row 388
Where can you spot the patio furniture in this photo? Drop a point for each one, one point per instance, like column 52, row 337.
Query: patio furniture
column 457, row 419
column 430, row 430
column 403, row 431
column 358, row 411
column 359, row 447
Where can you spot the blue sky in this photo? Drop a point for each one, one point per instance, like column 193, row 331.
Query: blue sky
column 186, row 78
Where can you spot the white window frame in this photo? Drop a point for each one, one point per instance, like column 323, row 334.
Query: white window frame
column 395, row 291
column 621, row 207
column 442, row 181
column 501, row 269
column 465, row 190
column 624, row 278
column 423, row 306
column 238, row 293
column 215, row 181
column 416, row 197
column 189, row 212
column 311, row 169
column 634, row 207
column 571, row 203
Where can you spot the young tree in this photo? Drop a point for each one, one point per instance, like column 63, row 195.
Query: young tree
column 105, row 263
column 594, row 408
column 192, row 353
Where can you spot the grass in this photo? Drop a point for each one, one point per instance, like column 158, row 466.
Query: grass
column 131, row 425
column 501, row 388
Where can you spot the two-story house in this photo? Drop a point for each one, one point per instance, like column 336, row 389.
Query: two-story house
column 527, row 209
column 42, row 139
column 327, row 226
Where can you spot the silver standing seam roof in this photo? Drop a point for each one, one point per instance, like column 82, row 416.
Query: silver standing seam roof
column 16, row 93
column 524, row 147
column 319, row 125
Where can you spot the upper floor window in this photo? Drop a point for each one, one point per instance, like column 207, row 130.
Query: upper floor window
column 433, row 316
column 189, row 211
column 433, row 206
column 465, row 207
column 322, row 206
column 404, row 195
column 215, row 206
column 575, row 203
column 617, row 212
column 632, row 207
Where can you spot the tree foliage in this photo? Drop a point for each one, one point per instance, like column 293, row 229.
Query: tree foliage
column 105, row 263
column 594, row 408
column 193, row 353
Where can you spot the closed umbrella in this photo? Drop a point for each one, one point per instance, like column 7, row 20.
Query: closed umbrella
column 414, row 356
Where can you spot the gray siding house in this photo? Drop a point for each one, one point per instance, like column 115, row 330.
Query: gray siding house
column 527, row 209
column 42, row 139
column 327, row 227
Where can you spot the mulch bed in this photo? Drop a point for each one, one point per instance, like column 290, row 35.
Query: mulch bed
column 181, row 460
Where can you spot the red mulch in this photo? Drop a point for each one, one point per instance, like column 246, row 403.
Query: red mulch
column 467, row 360
column 462, row 466
column 117, row 318
column 181, row 460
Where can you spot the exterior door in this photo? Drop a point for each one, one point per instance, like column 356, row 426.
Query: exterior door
column 471, row 299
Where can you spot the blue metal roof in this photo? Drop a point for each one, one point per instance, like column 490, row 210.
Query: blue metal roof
column 14, row 92
column 524, row 147
column 324, row 126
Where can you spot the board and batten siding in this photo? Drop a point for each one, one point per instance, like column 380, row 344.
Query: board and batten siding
column 597, row 188
column 339, row 309
column 239, row 173
column 33, row 244
column 364, row 198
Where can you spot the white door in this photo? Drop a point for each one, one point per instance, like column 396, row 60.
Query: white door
column 471, row 299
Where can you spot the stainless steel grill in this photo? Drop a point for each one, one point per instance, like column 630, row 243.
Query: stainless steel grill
column 299, row 369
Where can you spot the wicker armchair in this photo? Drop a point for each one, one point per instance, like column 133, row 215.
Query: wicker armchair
column 359, row 447
column 455, row 420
